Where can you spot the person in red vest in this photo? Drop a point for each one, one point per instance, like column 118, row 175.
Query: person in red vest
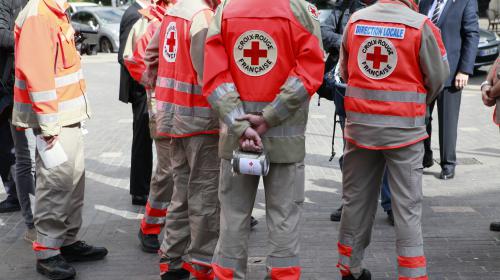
column 174, row 60
column 393, row 68
column 162, row 184
column 263, row 61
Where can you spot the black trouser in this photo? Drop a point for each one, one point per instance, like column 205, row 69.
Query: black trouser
column 448, row 104
column 7, row 159
column 142, row 149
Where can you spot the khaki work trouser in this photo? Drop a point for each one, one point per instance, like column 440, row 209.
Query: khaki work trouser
column 192, row 223
column 160, row 191
column 284, row 196
column 59, row 196
column 362, row 177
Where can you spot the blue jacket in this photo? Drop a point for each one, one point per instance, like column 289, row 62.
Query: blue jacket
column 460, row 32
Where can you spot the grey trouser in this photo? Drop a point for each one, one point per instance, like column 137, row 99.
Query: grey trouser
column 59, row 196
column 25, row 146
column 160, row 191
column 284, row 196
column 192, row 223
column 362, row 177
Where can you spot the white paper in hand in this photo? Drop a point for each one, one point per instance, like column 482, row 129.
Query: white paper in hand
column 53, row 157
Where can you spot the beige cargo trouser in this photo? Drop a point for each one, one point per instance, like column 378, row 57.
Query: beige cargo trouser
column 362, row 177
column 284, row 197
column 160, row 191
column 59, row 196
column 192, row 223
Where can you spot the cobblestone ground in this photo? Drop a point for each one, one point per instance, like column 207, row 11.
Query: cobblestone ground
column 456, row 217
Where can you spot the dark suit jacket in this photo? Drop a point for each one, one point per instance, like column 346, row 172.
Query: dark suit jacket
column 460, row 31
column 130, row 90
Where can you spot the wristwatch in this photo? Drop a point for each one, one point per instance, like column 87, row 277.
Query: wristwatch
column 485, row 83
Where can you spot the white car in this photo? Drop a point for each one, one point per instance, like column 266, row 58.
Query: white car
column 78, row 6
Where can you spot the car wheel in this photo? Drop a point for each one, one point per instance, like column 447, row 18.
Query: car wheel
column 105, row 45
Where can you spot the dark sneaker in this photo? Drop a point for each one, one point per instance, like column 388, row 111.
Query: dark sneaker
column 139, row 200
column 390, row 217
column 8, row 206
column 55, row 268
column 82, row 252
column 428, row 160
column 495, row 226
column 337, row 214
column 366, row 275
column 149, row 242
column 253, row 222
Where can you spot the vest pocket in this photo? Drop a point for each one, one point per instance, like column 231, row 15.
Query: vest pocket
column 67, row 51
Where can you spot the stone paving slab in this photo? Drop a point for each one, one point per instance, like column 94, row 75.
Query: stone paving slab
column 456, row 213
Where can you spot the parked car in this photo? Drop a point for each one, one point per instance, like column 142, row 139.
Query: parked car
column 488, row 47
column 86, row 39
column 106, row 21
column 78, row 6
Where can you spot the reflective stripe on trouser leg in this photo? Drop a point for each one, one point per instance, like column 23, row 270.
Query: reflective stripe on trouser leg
column 160, row 192
column 59, row 196
column 405, row 182
column 192, row 224
column 362, row 177
column 237, row 197
column 284, row 194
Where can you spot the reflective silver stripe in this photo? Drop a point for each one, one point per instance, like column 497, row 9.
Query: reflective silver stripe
column 230, row 117
column 286, row 131
column 69, row 79
column 283, row 262
column 178, row 85
column 202, row 112
column 201, row 261
column 234, row 264
column 383, row 120
column 295, row 85
column 43, row 96
column 280, row 108
column 412, row 272
column 49, row 242
column 63, row 105
column 160, row 205
column 220, row 91
column 390, row 96
column 254, row 107
column 20, row 84
column 48, row 118
column 45, row 254
column 154, row 220
column 410, row 251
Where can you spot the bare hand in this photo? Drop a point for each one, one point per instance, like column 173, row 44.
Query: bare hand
column 51, row 141
column 461, row 80
column 250, row 141
column 258, row 123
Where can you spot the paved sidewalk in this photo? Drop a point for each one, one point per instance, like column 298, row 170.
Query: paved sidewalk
column 456, row 219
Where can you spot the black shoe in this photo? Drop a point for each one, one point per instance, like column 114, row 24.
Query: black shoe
column 495, row 226
column 9, row 205
column 390, row 217
column 82, row 252
column 139, row 200
column 179, row 274
column 253, row 222
column 366, row 275
column 428, row 160
column 337, row 214
column 55, row 268
column 447, row 173
column 149, row 242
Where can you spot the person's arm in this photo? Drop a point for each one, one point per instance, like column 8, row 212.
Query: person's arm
column 36, row 38
column 307, row 75
column 470, row 39
column 134, row 48
column 6, row 35
column 151, row 60
column 433, row 61
column 218, row 85
column 331, row 39
column 198, row 34
column 344, row 54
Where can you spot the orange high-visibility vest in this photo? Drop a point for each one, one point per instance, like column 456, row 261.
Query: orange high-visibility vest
column 49, row 88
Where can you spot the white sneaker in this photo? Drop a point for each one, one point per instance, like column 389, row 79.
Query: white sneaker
column 30, row 235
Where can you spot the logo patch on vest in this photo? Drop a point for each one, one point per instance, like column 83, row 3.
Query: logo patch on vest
column 171, row 43
column 380, row 31
column 377, row 58
column 255, row 53
column 313, row 11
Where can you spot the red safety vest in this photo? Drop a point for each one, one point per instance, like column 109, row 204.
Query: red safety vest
column 182, row 110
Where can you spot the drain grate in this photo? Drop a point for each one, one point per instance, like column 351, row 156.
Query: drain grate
column 468, row 161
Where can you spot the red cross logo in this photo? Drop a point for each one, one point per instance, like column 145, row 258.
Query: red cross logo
column 313, row 11
column 250, row 163
column 171, row 42
column 377, row 57
column 255, row 53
